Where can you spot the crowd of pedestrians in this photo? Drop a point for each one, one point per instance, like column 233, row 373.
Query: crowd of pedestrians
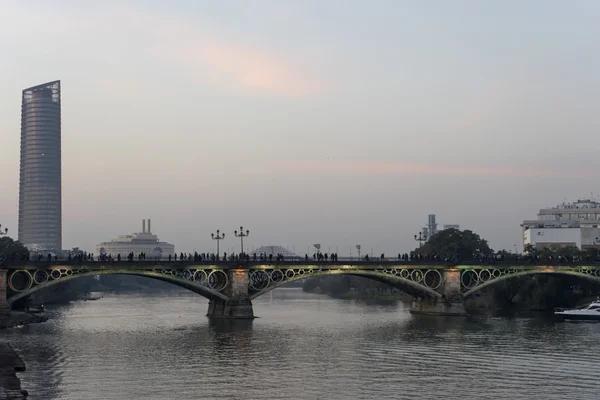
column 413, row 257
column 320, row 257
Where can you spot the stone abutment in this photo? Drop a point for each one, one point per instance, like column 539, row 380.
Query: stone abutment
column 239, row 304
column 450, row 304
column 4, row 306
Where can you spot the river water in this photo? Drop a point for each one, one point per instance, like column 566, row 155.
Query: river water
column 303, row 346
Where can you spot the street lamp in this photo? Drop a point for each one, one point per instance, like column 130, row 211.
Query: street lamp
column 217, row 237
column 241, row 235
column 421, row 238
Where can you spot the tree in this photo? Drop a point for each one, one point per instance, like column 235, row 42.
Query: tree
column 504, row 253
column 453, row 243
column 569, row 251
column 592, row 253
column 13, row 249
column 529, row 249
column 560, row 251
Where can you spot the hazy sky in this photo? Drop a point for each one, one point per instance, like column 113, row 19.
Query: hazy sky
column 332, row 122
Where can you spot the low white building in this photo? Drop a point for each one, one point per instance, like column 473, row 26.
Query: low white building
column 451, row 226
column 274, row 250
column 144, row 242
column 572, row 224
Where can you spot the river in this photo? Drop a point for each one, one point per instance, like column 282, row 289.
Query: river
column 302, row 346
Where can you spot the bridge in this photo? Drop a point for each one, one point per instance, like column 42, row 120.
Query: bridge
column 437, row 288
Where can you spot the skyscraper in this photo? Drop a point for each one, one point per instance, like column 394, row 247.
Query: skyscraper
column 40, row 209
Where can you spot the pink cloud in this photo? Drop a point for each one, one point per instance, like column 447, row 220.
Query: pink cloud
column 208, row 54
column 249, row 68
column 400, row 168
column 196, row 51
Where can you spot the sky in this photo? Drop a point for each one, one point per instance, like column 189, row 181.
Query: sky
column 337, row 122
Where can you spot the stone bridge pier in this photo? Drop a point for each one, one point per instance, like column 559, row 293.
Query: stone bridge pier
column 239, row 304
column 450, row 303
column 4, row 306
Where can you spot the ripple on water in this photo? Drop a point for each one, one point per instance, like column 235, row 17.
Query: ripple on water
column 304, row 347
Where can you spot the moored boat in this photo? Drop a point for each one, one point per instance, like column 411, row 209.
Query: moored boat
column 591, row 312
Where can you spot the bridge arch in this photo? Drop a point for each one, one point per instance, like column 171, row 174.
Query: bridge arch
column 195, row 287
column 591, row 275
column 397, row 281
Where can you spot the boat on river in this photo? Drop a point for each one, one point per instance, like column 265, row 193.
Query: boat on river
column 591, row 312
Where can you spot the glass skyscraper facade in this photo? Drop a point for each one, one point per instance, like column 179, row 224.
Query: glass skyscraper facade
column 40, row 209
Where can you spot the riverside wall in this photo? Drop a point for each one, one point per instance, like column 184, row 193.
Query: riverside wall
column 10, row 364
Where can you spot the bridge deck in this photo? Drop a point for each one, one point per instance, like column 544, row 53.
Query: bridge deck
column 349, row 264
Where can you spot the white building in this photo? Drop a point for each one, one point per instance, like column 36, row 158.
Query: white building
column 144, row 242
column 432, row 227
column 287, row 254
column 573, row 224
column 451, row 226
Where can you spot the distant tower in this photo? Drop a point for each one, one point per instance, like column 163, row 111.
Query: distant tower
column 431, row 225
column 40, row 205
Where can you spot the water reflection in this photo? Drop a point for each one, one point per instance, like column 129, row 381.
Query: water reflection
column 228, row 326
column 302, row 346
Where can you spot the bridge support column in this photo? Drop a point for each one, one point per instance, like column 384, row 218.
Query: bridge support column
column 4, row 306
column 451, row 303
column 239, row 304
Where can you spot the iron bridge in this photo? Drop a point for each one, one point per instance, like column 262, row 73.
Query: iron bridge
column 214, row 281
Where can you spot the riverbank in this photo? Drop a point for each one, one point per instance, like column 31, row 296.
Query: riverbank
column 18, row 318
column 539, row 293
column 10, row 364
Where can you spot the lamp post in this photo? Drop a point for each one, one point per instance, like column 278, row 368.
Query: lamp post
column 242, row 235
column 217, row 237
column 421, row 238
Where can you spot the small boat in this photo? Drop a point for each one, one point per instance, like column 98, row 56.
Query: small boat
column 37, row 310
column 92, row 298
column 591, row 312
